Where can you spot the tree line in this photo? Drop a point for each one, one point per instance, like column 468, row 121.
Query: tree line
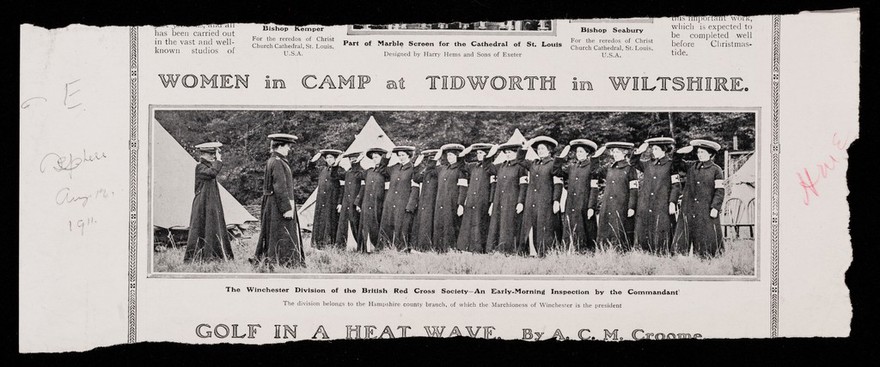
column 243, row 133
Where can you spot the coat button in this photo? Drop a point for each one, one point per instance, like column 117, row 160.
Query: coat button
column 650, row 211
column 612, row 181
column 611, row 197
column 652, row 194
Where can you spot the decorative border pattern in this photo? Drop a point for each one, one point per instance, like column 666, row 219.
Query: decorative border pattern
column 774, row 179
column 132, row 184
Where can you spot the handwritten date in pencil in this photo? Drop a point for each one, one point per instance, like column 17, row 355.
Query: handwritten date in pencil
column 80, row 225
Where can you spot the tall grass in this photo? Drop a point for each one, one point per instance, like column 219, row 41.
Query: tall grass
column 738, row 259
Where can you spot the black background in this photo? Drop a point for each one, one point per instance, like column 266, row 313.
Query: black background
column 861, row 346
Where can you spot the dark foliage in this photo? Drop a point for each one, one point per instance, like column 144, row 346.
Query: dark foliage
column 246, row 148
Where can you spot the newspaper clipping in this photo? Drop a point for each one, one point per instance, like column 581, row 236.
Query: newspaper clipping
column 534, row 179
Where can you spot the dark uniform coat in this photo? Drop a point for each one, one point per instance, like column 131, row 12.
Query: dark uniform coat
column 511, row 182
column 659, row 187
column 208, row 238
column 475, row 221
column 578, row 231
column 396, row 222
column 703, row 191
column 539, row 222
column 329, row 197
column 280, row 241
column 372, row 199
column 349, row 218
column 621, row 194
column 425, row 184
column 451, row 192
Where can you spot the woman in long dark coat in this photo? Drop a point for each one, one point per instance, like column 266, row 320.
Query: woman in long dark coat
column 280, row 241
column 396, row 221
column 348, row 229
column 208, row 238
column 475, row 221
column 372, row 198
column 578, row 223
column 699, row 223
column 451, row 191
column 540, row 226
column 511, row 182
column 328, row 200
column 424, row 183
column 658, row 195
column 619, row 200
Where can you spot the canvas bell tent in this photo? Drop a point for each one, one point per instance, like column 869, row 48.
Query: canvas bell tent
column 173, row 182
column 371, row 136
column 738, row 212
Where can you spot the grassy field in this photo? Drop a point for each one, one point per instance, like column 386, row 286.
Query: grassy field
column 738, row 259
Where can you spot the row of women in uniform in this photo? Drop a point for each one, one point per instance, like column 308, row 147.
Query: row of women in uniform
column 456, row 198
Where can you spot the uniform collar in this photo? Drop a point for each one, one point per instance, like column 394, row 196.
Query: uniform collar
column 662, row 160
column 279, row 155
column 544, row 160
column 582, row 163
column 705, row 164
column 408, row 165
column 457, row 164
column 205, row 161
column 620, row 164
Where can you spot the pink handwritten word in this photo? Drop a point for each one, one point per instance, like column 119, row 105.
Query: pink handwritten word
column 810, row 181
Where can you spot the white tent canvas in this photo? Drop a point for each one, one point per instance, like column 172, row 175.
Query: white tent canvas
column 739, row 202
column 371, row 136
column 173, row 184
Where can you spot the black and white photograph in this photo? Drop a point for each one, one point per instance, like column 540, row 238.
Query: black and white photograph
column 426, row 192
column 526, row 26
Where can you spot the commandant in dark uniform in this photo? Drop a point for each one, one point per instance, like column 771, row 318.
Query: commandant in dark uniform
column 347, row 231
column 578, row 221
column 424, row 183
column 451, row 191
column 396, row 221
column 372, row 198
column 699, row 223
column 619, row 200
column 658, row 196
column 208, row 238
column 511, row 182
column 280, row 241
column 541, row 230
column 475, row 220
column 329, row 198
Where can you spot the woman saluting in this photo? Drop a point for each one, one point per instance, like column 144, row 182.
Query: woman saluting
column 699, row 225
column 658, row 195
column 452, row 188
column 618, row 204
column 579, row 226
column 541, row 213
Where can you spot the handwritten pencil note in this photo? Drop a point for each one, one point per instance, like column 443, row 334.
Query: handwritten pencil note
column 74, row 121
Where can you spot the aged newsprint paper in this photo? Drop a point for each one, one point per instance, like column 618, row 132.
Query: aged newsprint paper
column 530, row 179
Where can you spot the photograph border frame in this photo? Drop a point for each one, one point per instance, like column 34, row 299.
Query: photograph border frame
column 774, row 180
